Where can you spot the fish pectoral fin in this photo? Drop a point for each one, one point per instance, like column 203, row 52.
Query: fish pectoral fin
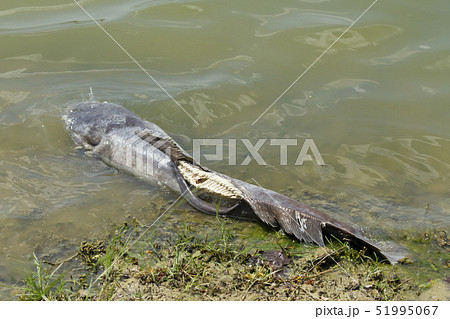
column 292, row 222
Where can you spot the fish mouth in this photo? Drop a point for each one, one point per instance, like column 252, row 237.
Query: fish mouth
column 67, row 121
column 69, row 116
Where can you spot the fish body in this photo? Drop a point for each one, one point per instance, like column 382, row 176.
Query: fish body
column 123, row 140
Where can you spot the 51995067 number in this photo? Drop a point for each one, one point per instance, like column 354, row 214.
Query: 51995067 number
column 406, row 310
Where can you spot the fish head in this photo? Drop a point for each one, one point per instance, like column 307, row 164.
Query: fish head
column 89, row 122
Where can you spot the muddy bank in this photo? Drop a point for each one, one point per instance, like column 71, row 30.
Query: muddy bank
column 186, row 265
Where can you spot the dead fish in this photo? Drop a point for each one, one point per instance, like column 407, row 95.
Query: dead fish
column 123, row 140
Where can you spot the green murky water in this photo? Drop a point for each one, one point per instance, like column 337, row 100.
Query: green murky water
column 376, row 105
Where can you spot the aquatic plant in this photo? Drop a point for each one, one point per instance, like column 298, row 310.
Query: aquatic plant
column 44, row 284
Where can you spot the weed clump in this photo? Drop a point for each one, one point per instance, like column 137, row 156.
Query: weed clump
column 44, row 284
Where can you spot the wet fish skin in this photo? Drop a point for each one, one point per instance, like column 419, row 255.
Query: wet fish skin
column 120, row 137
column 109, row 130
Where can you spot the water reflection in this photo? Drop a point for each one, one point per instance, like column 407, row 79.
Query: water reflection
column 353, row 39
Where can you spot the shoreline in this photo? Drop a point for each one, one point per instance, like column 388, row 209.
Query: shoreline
column 215, row 266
